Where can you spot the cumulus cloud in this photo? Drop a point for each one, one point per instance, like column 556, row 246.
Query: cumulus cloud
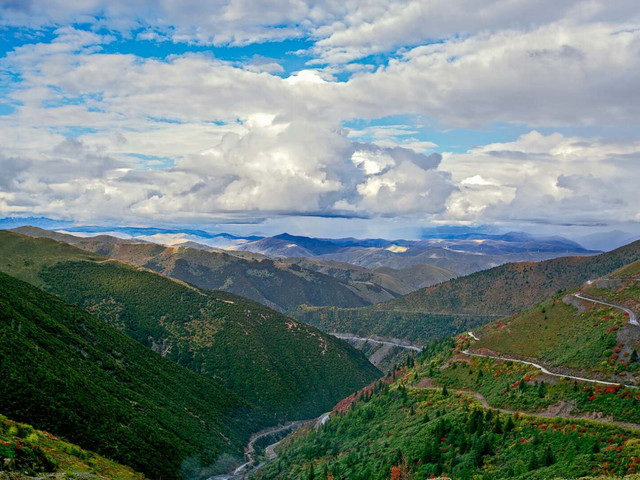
column 546, row 178
column 267, row 167
column 552, row 75
column 252, row 139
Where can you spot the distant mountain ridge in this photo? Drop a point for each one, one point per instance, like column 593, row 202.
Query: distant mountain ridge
column 462, row 254
column 463, row 302
column 461, row 251
column 281, row 284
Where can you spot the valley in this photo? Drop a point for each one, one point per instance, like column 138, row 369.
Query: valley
column 568, row 364
column 513, row 367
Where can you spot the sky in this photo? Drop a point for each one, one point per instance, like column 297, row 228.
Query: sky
column 330, row 118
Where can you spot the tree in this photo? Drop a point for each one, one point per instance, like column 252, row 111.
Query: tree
column 497, row 428
column 542, row 389
column 548, row 458
column 509, row 425
column 445, row 392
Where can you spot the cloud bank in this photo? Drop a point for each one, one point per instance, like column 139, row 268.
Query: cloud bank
column 97, row 131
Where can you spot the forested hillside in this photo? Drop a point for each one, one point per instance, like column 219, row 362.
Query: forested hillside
column 67, row 372
column 411, row 427
column 26, row 452
column 290, row 369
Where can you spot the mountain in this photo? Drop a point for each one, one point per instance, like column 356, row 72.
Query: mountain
column 547, row 332
column 465, row 302
column 67, row 372
column 390, row 279
column 550, row 392
column 290, row 369
column 463, row 253
column 282, row 285
column 452, row 415
column 26, row 452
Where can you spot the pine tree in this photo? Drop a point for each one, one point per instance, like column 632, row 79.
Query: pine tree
column 445, row 392
column 509, row 425
column 497, row 428
column 542, row 390
column 548, row 458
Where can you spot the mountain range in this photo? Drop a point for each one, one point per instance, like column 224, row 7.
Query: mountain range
column 465, row 302
column 461, row 251
column 282, row 284
column 104, row 344
column 462, row 254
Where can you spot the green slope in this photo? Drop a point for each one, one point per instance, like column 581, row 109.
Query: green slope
column 548, row 332
column 66, row 372
column 461, row 303
column 290, row 369
column 25, row 452
column 406, row 429
column 456, row 414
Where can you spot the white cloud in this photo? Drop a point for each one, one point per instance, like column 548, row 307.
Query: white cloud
column 546, row 178
column 552, row 75
column 241, row 139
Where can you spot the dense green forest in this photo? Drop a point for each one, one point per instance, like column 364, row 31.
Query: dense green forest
column 422, row 328
column 470, row 409
column 478, row 297
column 290, row 369
column 67, row 372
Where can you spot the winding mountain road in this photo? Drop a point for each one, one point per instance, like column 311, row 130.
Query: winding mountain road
column 633, row 318
column 542, row 369
column 562, row 411
column 386, row 341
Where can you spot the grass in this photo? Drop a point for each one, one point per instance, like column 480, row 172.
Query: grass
column 26, row 450
column 548, row 332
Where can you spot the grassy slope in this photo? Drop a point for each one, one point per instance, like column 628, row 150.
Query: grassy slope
column 499, row 291
column 592, row 341
column 548, row 331
column 291, row 369
column 24, row 450
column 68, row 373
column 404, row 431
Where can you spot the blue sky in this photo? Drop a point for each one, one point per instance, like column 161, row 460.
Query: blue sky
column 322, row 118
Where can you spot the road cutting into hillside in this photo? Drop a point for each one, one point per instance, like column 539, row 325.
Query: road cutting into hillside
column 633, row 317
column 553, row 411
column 544, row 370
column 382, row 341
column 633, row 320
